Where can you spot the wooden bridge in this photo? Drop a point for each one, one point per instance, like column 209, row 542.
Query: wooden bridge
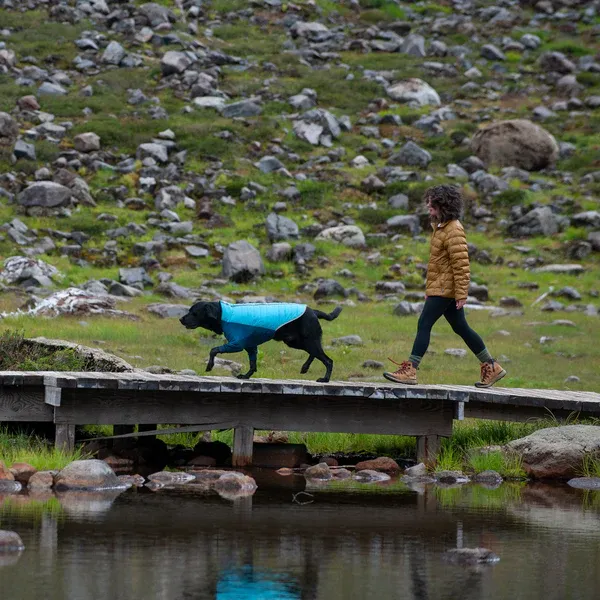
column 205, row 403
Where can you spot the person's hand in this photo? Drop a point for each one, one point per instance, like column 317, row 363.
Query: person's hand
column 460, row 303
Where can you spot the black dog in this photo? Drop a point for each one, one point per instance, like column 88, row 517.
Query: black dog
column 246, row 326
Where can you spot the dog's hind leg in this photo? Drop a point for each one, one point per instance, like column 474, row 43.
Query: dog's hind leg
column 315, row 350
column 306, row 365
column 252, row 353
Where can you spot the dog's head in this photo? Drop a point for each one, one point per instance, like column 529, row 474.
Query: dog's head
column 203, row 314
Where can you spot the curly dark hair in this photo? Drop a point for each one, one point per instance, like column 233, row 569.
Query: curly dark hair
column 447, row 199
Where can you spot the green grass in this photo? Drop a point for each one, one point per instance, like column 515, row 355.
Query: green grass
column 591, row 466
column 15, row 448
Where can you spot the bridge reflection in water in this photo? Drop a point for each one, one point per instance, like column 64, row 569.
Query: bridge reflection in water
column 371, row 542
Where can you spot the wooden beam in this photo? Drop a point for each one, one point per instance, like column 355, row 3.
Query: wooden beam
column 243, row 440
column 262, row 411
column 65, row 437
column 24, row 404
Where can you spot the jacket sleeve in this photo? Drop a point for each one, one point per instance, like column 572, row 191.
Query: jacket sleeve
column 458, row 251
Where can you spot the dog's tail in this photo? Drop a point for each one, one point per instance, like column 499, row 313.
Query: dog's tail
column 331, row 316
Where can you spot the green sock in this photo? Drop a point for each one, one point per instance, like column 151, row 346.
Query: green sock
column 484, row 356
column 415, row 360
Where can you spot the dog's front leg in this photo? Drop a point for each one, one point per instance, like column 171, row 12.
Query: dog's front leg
column 224, row 349
column 252, row 353
column 211, row 358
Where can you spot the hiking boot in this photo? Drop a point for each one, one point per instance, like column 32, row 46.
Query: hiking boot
column 490, row 373
column 406, row 373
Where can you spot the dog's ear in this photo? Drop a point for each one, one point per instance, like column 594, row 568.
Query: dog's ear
column 211, row 311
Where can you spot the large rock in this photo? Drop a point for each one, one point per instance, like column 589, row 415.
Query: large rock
column 87, row 475
column 19, row 269
column 174, row 62
column 383, row 463
column 414, row 90
column 113, row 54
column 557, row 452
column 156, row 14
column 46, row 194
column 86, row 142
column 410, row 154
column 9, row 129
column 539, row 221
column 95, row 358
column 280, row 228
column 242, row 262
column 515, row 143
column 348, row 235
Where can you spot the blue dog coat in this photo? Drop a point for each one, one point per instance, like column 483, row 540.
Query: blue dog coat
column 246, row 326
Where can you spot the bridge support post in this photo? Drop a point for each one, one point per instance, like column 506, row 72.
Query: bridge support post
column 243, row 439
column 122, row 430
column 65, row 437
column 428, row 447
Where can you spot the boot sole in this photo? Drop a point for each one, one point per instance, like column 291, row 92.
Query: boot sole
column 389, row 377
column 491, row 383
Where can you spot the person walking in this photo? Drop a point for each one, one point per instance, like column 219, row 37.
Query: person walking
column 448, row 276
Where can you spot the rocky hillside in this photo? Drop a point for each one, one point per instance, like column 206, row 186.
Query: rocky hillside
column 184, row 147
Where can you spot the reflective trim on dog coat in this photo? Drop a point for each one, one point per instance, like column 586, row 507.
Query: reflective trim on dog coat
column 249, row 325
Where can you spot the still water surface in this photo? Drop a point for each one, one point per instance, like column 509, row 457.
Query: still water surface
column 351, row 541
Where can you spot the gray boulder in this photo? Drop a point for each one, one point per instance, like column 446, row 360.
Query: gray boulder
column 557, row 62
column 414, row 90
column 9, row 129
column 242, row 262
column 410, row 154
column 401, row 222
column 268, row 164
column 46, row 194
column 86, row 142
column 348, row 235
column 515, row 143
column 557, row 452
column 539, row 221
column 156, row 151
column 174, row 62
column 590, row 218
column 24, row 150
column 280, row 228
column 156, row 14
column 113, row 54
column 243, row 108
column 88, row 475
column 51, row 89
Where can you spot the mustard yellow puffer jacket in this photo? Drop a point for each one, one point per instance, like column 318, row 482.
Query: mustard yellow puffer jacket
column 448, row 271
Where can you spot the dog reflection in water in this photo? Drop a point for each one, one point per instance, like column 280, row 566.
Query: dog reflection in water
column 246, row 326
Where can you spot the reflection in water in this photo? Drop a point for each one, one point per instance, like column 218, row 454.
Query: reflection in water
column 246, row 583
column 352, row 542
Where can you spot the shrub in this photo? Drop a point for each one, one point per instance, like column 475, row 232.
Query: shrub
column 511, row 197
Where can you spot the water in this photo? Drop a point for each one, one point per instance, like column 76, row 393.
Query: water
column 344, row 541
